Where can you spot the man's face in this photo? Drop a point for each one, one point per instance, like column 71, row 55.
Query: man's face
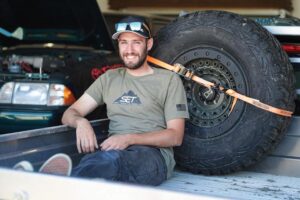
column 133, row 50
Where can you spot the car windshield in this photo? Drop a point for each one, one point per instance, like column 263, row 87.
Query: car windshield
column 59, row 21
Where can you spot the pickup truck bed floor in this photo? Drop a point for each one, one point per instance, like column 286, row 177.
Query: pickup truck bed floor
column 241, row 185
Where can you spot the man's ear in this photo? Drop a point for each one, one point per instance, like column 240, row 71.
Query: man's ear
column 149, row 44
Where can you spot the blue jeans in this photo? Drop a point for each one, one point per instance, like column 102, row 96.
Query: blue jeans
column 136, row 164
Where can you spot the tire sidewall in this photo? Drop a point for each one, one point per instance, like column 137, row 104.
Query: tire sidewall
column 247, row 129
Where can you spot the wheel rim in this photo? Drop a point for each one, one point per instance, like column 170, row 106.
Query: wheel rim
column 210, row 109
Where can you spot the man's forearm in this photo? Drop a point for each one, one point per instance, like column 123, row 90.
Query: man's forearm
column 163, row 138
column 71, row 117
column 77, row 111
column 169, row 137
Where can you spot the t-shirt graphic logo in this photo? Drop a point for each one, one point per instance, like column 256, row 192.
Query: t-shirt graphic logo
column 128, row 99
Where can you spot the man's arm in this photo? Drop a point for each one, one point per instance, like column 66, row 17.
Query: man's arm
column 74, row 117
column 169, row 137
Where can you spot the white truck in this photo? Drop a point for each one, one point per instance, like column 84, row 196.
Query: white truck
column 276, row 177
column 229, row 50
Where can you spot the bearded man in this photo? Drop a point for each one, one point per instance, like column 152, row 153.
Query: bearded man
column 146, row 107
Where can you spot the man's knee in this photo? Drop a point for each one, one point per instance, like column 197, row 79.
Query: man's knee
column 101, row 164
column 143, row 165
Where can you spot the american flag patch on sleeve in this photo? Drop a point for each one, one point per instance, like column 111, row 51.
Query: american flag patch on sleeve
column 181, row 107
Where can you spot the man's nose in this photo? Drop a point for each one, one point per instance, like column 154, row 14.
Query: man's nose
column 129, row 48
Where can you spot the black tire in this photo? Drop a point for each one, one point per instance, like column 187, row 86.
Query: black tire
column 237, row 53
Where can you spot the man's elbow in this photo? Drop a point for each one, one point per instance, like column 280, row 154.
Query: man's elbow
column 64, row 119
column 176, row 127
column 179, row 139
column 178, row 142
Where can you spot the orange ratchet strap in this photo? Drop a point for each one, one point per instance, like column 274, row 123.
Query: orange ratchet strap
column 181, row 70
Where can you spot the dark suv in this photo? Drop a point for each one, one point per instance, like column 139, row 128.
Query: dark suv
column 50, row 52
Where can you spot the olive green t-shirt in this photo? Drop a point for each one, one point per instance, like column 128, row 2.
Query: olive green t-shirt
column 139, row 104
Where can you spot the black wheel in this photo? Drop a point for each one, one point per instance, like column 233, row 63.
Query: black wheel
column 236, row 53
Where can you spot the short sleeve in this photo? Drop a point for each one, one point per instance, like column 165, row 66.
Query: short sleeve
column 96, row 91
column 175, row 103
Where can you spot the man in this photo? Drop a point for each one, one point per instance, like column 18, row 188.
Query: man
column 147, row 109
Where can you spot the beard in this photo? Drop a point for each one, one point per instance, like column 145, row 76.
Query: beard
column 139, row 63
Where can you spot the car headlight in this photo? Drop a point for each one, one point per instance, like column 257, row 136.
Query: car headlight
column 36, row 94
column 6, row 92
column 30, row 93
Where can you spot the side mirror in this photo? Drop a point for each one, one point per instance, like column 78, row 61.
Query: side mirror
column 18, row 33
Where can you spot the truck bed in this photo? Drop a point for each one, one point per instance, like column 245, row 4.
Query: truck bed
column 183, row 185
column 276, row 177
column 241, row 185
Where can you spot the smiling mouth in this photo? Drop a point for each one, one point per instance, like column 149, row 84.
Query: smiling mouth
column 130, row 56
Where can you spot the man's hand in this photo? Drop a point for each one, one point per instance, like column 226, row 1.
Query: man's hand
column 85, row 136
column 119, row 142
column 74, row 117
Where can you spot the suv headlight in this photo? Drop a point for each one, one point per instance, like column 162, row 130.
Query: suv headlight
column 36, row 94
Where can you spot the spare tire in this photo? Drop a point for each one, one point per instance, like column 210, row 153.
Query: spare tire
column 236, row 53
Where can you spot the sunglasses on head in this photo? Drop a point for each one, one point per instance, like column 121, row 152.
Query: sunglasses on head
column 133, row 26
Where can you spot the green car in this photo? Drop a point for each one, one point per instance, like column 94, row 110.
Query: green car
column 50, row 52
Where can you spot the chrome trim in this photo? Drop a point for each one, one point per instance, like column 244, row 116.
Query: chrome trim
column 284, row 30
column 294, row 60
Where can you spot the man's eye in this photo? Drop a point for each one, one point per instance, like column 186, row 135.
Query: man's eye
column 137, row 42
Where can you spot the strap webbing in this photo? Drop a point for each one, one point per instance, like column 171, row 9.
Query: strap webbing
column 181, row 70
